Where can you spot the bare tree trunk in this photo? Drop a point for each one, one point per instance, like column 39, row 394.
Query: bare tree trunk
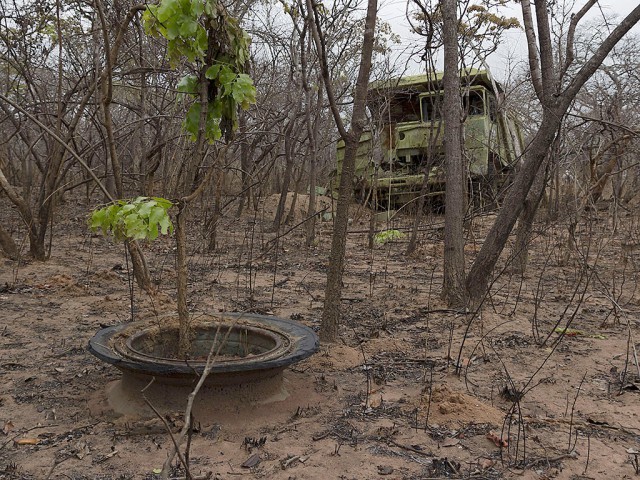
column 48, row 189
column 286, row 177
column 526, row 219
column 479, row 275
column 217, row 205
column 554, row 193
column 8, row 246
column 138, row 161
column 294, row 201
column 312, row 131
column 140, row 269
column 245, row 163
column 599, row 178
column 311, row 207
column 556, row 97
column 333, row 288
column 453, row 290
column 184, row 342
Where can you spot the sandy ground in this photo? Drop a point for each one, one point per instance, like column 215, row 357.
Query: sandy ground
column 386, row 402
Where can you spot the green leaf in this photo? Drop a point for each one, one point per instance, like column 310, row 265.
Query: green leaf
column 165, row 10
column 201, row 41
column 149, row 17
column 156, row 214
column 187, row 26
column 192, row 121
column 127, row 207
column 133, row 226
column 244, row 93
column 136, row 219
column 213, row 71
column 145, row 208
column 173, row 31
column 165, row 225
column 245, row 83
column 97, row 219
column 197, row 7
column 163, row 202
column 188, row 84
column 209, row 9
column 226, row 75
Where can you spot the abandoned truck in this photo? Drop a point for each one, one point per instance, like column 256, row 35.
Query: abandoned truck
column 405, row 141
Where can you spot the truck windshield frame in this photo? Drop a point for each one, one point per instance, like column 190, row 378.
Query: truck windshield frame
column 473, row 99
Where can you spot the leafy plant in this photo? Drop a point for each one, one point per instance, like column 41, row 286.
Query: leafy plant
column 203, row 32
column 387, row 236
column 143, row 218
column 217, row 49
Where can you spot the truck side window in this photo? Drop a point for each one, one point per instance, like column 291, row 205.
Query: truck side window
column 474, row 103
column 404, row 107
column 431, row 108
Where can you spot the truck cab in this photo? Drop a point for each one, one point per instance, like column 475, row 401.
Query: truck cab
column 402, row 154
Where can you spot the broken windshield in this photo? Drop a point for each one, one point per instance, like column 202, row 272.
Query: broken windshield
column 473, row 104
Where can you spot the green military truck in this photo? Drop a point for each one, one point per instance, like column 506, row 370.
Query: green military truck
column 405, row 143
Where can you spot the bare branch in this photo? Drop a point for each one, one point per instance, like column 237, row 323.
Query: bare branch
column 534, row 59
column 575, row 19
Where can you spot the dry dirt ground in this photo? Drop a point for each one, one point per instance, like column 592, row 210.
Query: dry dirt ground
column 386, row 402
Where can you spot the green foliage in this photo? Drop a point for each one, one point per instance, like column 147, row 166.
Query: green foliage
column 202, row 32
column 387, row 236
column 143, row 218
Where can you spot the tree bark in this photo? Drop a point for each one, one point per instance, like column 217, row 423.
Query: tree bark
column 8, row 246
column 140, row 269
column 479, row 274
column 312, row 132
column 286, row 177
column 555, row 103
column 333, row 288
column 525, row 221
column 184, row 341
column 245, row 163
column 22, row 205
column 453, row 290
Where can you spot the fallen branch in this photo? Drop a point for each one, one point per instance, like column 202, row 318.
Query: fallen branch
column 410, row 448
column 564, row 456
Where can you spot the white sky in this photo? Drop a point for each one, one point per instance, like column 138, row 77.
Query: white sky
column 513, row 48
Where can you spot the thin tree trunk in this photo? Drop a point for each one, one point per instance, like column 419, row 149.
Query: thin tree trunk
column 184, row 342
column 333, row 288
column 140, row 269
column 599, row 178
column 313, row 131
column 479, row 275
column 453, row 290
column 286, row 178
column 8, row 246
column 23, row 207
column 294, row 201
column 311, row 207
column 217, row 206
column 526, row 220
column 245, row 163
column 555, row 104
